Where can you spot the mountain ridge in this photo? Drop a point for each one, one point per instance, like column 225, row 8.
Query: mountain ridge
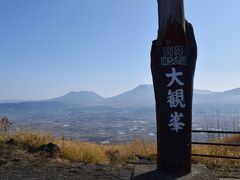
column 80, row 98
column 140, row 96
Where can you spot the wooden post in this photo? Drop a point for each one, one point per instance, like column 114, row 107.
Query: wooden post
column 173, row 60
column 169, row 12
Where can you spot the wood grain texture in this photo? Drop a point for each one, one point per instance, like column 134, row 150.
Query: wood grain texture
column 174, row 33
column 170, row 12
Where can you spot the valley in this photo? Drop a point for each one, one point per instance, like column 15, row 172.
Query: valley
column 127, row 117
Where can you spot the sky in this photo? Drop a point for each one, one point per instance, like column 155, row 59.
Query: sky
column 51, row 47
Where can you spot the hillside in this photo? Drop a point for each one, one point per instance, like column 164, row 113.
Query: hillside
column 17, row 163
column 141, row 96
column 89, row 161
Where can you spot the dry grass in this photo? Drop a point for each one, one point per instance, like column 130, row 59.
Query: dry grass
column 219, row 151
column 84, row 151
column 120, row 153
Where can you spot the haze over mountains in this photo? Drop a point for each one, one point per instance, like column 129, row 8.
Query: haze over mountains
column 139, row 97
column 143, row 96
column 88, row 116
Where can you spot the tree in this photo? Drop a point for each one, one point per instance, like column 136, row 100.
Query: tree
column 5, row 124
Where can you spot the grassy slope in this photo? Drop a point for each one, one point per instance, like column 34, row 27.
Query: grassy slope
column 219, row 151
column 120, row 153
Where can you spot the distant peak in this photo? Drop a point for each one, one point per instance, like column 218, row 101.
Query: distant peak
column 81, row 92
column 235, row 91
column 144, row 86
column 78, row 94
column 198, row 91
column 72, row 92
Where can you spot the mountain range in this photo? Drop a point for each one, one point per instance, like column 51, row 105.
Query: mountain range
column 139, row 97
column 143, row 96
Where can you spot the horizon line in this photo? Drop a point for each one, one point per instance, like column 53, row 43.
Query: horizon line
column 75, row 91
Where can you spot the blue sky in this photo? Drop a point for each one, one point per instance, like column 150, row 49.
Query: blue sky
column 51, row 47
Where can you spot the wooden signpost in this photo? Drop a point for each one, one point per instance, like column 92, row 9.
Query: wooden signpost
column 173, row 60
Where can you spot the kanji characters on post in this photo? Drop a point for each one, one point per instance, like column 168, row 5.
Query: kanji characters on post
column 175, row 99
